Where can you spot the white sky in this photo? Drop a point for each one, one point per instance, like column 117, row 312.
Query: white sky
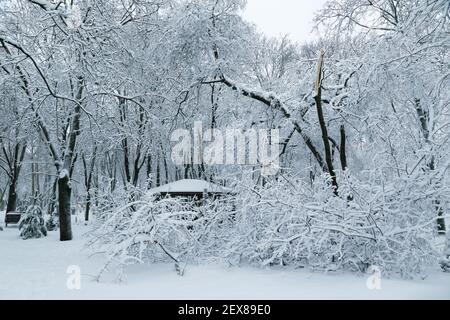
column 275, row 17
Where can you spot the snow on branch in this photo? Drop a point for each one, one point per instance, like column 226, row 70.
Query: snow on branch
column 47, row 5
column 271, row 100
column 268, row 99
column 51, row 91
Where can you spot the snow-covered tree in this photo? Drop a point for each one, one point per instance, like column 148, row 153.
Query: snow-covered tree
column 32, row 224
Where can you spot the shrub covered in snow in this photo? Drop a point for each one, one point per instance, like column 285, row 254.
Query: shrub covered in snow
column 148, row 231
column 52, row 222
column 372, row 223
column 32, row 225
column 389, row 224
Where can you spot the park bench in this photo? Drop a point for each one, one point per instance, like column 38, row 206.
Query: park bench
column 12, row 217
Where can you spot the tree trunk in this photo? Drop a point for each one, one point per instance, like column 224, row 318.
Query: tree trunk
column 53, row 200
column 2, row 201
column 323, row 125
column 33, row 177
column 64, row 195
column 15, row 164
column 442, row 229
column 11, row 205
column 343, row 149
column 166, row 169
column 88, row 207
column 64, row 187
column 424, row 118
column 158, row 173
column 149, row 171
column 88, row 174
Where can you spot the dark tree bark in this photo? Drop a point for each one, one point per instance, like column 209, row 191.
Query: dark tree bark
column 132, row 176
column 64, row 195
column 2, row 200
column 88, row 175
column 166, row 167
column 186, row 171
column 14, row 160
column 158, row 173
column 64, row 171
column 343, row 149
column 323, row 125
column 11, row 204
column 424, row 118
column 124, row 142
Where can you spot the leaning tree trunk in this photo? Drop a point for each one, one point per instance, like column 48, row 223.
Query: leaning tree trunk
column 323, row 125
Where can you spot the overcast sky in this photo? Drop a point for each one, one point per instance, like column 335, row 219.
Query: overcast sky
column 275, row 17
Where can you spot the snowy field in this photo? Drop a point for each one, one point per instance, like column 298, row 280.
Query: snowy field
column 36, row 269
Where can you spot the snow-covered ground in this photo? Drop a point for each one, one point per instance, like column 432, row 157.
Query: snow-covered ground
column 36, row 269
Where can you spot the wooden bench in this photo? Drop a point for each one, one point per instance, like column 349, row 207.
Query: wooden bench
column 12, row 217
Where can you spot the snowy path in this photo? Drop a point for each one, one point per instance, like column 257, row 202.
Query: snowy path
column 36, row 269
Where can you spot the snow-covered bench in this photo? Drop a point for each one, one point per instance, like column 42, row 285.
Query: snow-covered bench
column 12, row 217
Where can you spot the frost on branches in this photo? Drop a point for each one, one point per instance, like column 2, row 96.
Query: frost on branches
column 32, row 225
column 389, row 224
column 365, row 108
column 150, row 230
